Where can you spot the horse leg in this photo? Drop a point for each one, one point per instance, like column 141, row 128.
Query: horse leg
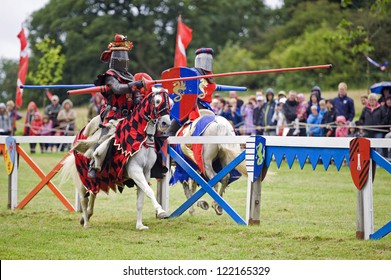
column 140, row 203
column 91, row 203
column 139, row 178
column 84, row 201
column 224, row 184
column 203, row 204
column 188, row 194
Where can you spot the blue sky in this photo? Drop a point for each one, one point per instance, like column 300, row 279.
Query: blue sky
column 14, row 12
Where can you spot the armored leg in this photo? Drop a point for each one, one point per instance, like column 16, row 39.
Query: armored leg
column 93, row 163
column 174, row 127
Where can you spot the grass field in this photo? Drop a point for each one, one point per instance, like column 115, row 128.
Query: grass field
column 305, row 214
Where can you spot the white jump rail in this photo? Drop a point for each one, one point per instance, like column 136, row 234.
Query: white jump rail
column 163, row 187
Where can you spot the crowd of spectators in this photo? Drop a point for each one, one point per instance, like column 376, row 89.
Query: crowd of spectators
column 263, row 114
column 292, row 115
column 56, row 119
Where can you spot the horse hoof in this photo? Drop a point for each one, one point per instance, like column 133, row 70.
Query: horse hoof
column 163, row 215
column 218, row 209
column 82, row 221
column 142, row 227
column 203, row 204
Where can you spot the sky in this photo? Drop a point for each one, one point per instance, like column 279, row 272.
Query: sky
column 14, row 12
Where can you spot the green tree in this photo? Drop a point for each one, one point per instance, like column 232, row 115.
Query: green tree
column 49, row 68
column 8, row 79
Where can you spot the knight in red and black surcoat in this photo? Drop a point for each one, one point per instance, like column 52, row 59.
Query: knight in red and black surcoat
column 124, row 92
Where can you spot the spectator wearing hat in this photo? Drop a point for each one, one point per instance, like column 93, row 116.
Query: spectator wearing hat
column 328, row 120
column 257, row 116
column 342, row 127
column 279, row 117
column 5, row 121
column 281, row 94
column 344, row 105
column 314, row 100
column 317, row 91
column 267, row 114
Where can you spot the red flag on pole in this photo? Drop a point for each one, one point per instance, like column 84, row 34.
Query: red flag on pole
column 23, row 64
column 183, row 38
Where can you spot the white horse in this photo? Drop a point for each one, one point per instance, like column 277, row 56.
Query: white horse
column 211, row 152
column 155, row 110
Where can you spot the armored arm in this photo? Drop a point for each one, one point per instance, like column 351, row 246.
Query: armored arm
column 116, row 86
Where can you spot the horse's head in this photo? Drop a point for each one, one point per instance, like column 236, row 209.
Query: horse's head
column 157, row 106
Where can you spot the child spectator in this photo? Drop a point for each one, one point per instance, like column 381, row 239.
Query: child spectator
column 31, row 110
column 301, row 112
column 313, row 119
column 35, row 129
column 353, row 131
column 328, row 119
column 322, row 108
column 342, row 129
column 46, row 130
column 214, row 105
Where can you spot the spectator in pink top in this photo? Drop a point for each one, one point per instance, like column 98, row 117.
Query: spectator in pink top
column 342, row 127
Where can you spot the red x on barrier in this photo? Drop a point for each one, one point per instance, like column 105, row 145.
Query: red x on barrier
column 45, row 180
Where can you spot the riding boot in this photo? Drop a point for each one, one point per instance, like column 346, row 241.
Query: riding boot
column 91, row 170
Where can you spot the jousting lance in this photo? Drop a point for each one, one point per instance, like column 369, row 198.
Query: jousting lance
column 149, row 83
column 56, row 86
column 79, row 86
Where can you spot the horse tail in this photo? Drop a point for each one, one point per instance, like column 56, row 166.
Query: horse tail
column 69, row 171
column 229, row 152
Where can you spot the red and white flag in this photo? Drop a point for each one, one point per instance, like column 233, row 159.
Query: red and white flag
column 23, row 65
column 183, row 38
